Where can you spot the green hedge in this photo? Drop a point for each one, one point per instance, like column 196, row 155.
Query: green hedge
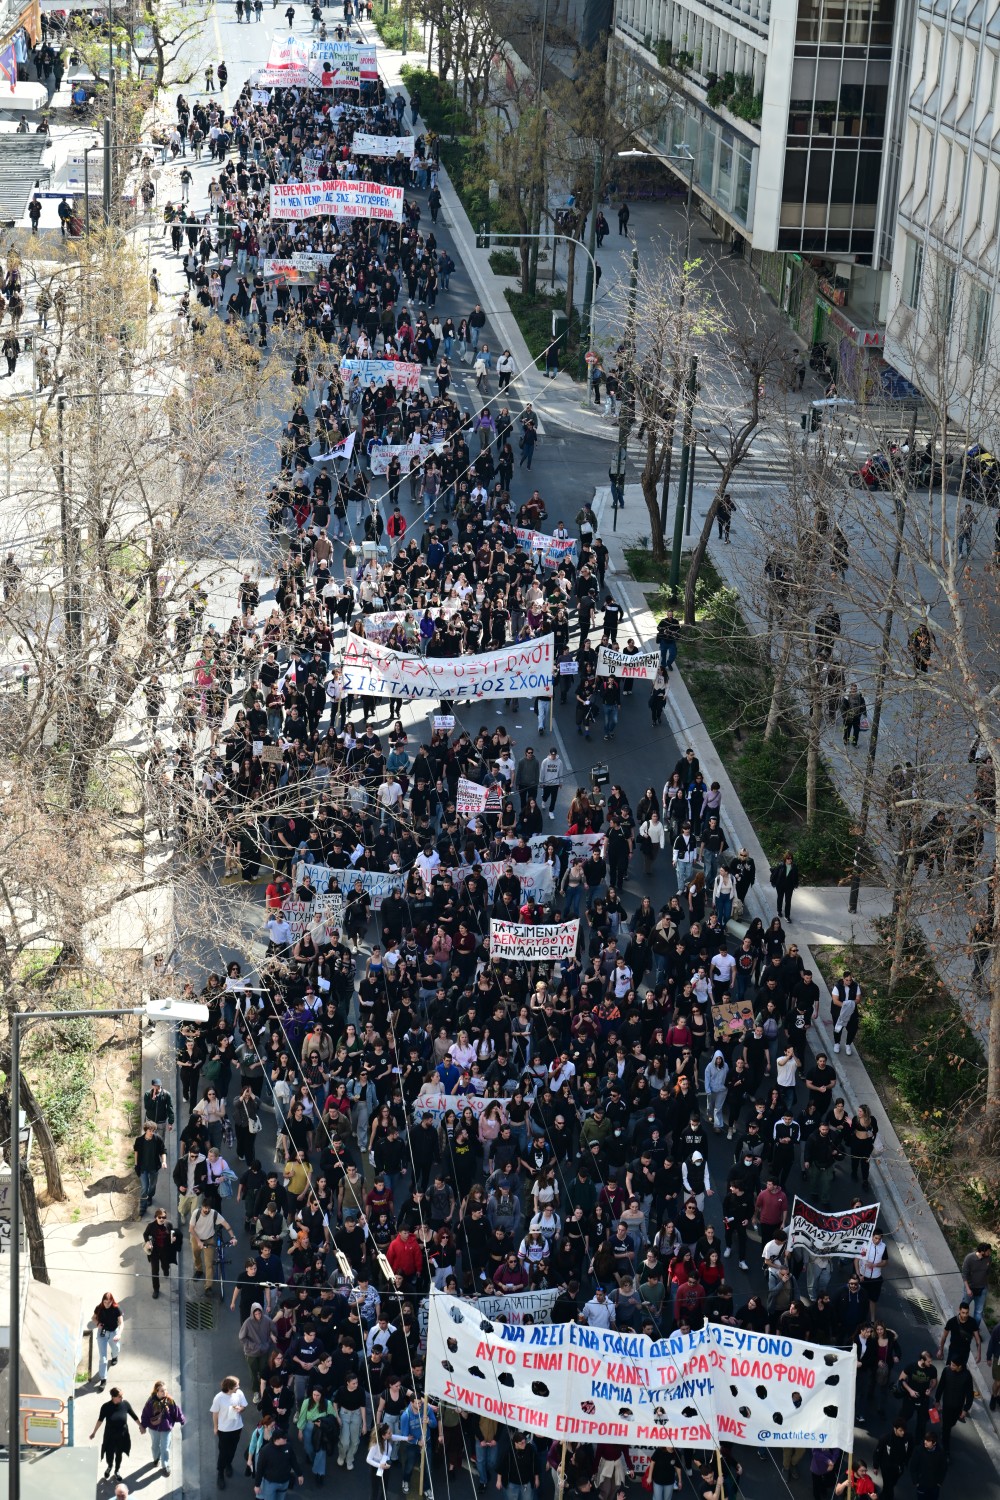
column 439, row 108
column 534, row 318
column 389, row 25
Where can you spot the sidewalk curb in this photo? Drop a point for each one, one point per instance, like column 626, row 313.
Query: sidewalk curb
column 923, row 1249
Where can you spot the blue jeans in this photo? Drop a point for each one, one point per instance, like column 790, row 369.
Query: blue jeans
column 410, row 1460
column 269, row 1490
column 147, row 1189
column 663, row 1492
column 486, row 1463
column 610, row 718
column 350, row 1435
column 723, row 908
column 573, row 901
column 161, row 1446
column 108, row 1347
column 711, row 863
column 519, row 1492
column 977, row 1305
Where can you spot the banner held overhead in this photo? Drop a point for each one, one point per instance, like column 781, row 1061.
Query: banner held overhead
column 568, row 1381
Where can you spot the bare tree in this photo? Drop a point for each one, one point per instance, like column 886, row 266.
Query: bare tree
column 746, row 382
column 676, row 322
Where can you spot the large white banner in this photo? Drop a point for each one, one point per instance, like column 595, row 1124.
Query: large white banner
column 344, row 199
column 379, row 624
column 343, row 65
column 438, row 1105
column 612, row 663
column 846, row 1233
column 304, row 62
column 382, row 145
column 528, row 941
column 567, row 1381
column 382, row 454
column 402, row 374
column 377, row 884
column 536, row 879
column 579, row 843
column 303, row 267
column 552, row 550
column 511, row 672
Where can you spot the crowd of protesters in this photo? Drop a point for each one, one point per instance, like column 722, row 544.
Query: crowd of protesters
column 377, row 1107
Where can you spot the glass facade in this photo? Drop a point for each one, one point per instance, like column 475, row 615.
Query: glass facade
column 724, row 160
column 836, row 127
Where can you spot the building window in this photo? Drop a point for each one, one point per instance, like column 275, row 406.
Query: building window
column 913, row 270
column 948, row 281
column 977, row 329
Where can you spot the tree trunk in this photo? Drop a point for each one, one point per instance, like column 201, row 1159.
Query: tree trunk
column 29, row 1203
column 54, row 1189
column 901, row 916
column 570, row 279
column 649, row 493
column 812, row 750
column 698, row 555
column 33, row 1228
column 778, row 688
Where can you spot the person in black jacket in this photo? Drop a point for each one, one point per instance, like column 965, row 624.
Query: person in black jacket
column 162, row 1243
column 785, row 880
column 276, row 1464
column 892, row 1455
column 927, row 1468
column 157, row 1105
column 518, row 1467
column 955, row 1394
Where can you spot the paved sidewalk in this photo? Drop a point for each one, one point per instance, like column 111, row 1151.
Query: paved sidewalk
column 103, row 1251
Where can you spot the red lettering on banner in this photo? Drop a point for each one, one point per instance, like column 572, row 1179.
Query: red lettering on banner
column 537, row 1360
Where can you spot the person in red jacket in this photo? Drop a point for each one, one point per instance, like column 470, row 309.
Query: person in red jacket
column 406, row 1258
column 396, row 527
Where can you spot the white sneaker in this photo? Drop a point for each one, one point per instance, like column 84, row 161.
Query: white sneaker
column 744, row 1266
column 552, row 816
column 836, row 1046
column 340, row 1461
column 726, row 1253
column 847, row 1049
column 350, row 1463
column 406, row 1488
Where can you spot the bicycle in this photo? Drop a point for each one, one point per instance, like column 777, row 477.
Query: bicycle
column 221, row 1244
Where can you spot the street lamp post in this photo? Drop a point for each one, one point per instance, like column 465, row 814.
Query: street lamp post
column 675, row 554
column 154, row 1010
